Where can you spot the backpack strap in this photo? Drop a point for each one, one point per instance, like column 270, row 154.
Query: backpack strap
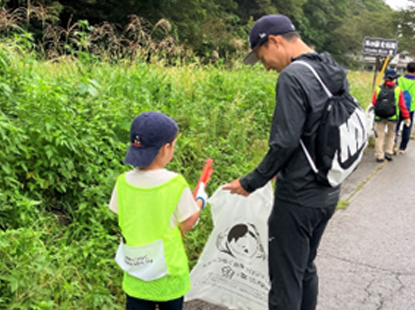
column 329, row 94
column 307, row 154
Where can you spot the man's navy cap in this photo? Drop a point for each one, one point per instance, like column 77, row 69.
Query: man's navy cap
column 263, row 27
column 390, row 74
column 149, row 132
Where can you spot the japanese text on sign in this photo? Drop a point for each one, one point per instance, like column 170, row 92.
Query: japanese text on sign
column 379, row 46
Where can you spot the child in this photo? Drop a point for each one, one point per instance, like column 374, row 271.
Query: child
column 407, row 84
column 154, row 207
column 388, row 102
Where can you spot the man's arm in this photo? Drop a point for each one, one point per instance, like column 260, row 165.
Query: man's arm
column 287, row 128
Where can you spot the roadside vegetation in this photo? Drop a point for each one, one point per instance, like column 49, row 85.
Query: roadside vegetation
column 64, row 122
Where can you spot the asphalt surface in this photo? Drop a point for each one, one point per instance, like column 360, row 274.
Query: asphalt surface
column 366, row 259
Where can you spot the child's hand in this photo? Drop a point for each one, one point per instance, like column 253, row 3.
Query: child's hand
column 201, row 195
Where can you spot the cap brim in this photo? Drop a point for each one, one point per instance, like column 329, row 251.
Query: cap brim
column 140, row 157
column 251, row 59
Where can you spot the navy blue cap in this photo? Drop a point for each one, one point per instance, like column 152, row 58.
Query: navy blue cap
column 390, row 74
column 149, row 132
column 263, row 27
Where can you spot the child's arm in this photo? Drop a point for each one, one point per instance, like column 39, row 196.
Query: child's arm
column 188, row 224
column 113, row 204
column 201, row 199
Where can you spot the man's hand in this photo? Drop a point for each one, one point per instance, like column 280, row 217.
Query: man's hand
column 407, row 122
column 236, row 188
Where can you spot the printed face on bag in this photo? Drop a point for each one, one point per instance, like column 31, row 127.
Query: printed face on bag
column 241, row 241
column 243, row 245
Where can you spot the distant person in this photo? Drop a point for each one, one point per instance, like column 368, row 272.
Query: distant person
column 407, row 84
column 154, row 207
column 388, row 103
column 303, row 206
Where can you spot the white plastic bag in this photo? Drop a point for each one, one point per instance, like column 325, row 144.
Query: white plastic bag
column 233, row 268
column 370, row 118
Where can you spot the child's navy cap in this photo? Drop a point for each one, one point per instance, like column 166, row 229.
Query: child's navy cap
column 263, row 27
column 149, row 132
column 390, row 74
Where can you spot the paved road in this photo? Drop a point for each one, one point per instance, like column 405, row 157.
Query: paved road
column 366, row 259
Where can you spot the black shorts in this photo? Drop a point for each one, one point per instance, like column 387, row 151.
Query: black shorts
column 140, row 304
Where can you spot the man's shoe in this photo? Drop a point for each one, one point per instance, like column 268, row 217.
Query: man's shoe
column 380, row 160
column 401, row 151
column 388, row 157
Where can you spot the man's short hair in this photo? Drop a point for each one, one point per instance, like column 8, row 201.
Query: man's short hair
column 289, row 36
column 410, row 67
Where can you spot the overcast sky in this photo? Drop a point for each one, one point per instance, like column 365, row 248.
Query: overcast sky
column 397, row 4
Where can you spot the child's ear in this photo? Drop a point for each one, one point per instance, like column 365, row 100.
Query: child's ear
column 165, row 148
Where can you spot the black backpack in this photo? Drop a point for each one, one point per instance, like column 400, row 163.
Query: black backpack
column 385, row 106
column 341, row 138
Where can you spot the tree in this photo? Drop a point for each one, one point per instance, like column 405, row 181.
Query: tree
column 254, row 9
column 406, row 30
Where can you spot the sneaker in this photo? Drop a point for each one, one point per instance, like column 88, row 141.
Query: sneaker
column 401, row 151
column 388, row 157
column 380, row 160
column 395, row 149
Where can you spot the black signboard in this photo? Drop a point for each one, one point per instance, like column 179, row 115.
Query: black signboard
column 380, row 47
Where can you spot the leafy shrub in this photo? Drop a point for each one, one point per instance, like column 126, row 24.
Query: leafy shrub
column 64, row 133
column 43, row 268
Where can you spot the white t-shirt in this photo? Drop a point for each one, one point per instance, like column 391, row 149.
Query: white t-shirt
column 152, row 178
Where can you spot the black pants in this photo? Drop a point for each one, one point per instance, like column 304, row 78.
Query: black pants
column 406, row 131
column 140, row 304
column 294, row 235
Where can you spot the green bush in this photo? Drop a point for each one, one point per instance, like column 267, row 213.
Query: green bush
column 44, row 268
column 64, row 133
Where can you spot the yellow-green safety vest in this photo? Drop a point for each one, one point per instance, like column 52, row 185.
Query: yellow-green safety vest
column 409, row 85
column 144, row 215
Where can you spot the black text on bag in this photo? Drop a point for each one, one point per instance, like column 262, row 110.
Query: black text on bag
column 385, row 103
column 341, row 138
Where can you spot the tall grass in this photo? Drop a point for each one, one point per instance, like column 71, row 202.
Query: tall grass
column 361, row 86
column 64, row 132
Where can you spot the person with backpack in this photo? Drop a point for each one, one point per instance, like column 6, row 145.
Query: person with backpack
column 303, row 205
column 407, row 84
column 388, row 103
column 154, row 206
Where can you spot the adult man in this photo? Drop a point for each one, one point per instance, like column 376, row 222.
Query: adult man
column 302, row 205
column 407, row 83
column 389, row 103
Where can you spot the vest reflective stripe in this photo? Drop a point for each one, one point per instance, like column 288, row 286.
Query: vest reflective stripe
column 409, row 85
column 397, row 96
column 144, row 215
